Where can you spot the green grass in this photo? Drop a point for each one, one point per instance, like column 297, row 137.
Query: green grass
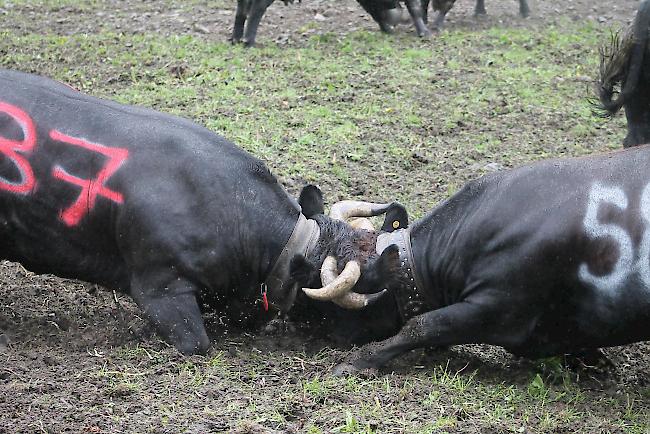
column 353, row 105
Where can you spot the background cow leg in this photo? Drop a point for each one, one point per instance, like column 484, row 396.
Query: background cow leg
column 243, row 7
column 174, row 311
column 459, row 323
column 524, row 10
column 479, row 9
column 257, row 11
column 415, row 10
column 425, row 11
column 442, row 13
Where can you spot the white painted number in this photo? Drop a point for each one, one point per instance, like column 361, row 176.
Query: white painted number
column 643, row 264
column 628, row 262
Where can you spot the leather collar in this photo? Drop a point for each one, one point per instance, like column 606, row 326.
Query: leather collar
column 410, row 301
column 304, row 237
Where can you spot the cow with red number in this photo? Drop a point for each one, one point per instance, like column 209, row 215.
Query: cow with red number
column 165, row 210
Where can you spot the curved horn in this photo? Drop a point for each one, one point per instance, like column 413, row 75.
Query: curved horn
column 339, row 286
column 361, row 223
column 349, row 300
column 328, row 272
column 346, row 209
column 354, row 300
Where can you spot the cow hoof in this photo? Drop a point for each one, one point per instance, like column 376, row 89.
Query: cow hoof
column 344, row 369
column 425, row 35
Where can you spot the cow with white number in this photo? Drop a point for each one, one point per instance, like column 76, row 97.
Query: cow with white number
column 164, row 210
column 546, row 259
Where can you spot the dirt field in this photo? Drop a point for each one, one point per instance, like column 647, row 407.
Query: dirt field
column 324, row 98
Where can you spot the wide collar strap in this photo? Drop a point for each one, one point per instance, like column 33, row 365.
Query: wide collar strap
column 304, row 237
column 410, row 301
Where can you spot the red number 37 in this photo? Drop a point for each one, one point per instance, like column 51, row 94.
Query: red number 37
column 90, row 189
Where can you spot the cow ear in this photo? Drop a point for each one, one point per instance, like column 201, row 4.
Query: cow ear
column 302, row 271
column 380, row 273
column 311, row 201
column 396, row 218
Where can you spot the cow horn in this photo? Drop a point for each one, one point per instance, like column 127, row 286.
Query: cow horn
column 361, row 223
column 354, row 300
column 346, row 209
column 349, row 300
column 328, row 270
column 340, row 285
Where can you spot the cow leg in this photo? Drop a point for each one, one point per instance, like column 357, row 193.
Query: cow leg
column 524, row 10
column 174, row 311
column 415, row 10
column 386, row 17
column 458, row 323
column 258, row 9
column 479, row 9
column 243, row 7
column 425, row 11
column 442, row 13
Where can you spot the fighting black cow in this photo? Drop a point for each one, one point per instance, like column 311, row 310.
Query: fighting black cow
column 444, row 6
column 625, row 78
column 163, row 209
column 386, row 13
column 545, row 259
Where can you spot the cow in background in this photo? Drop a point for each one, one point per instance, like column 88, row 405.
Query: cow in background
column 444, row 6
column 387, row 13
column 624, row 80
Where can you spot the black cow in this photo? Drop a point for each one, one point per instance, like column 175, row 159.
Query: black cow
column 385, row 12
column 545, row 259
column 444, row 6
column 161, row 208
column 623, row 66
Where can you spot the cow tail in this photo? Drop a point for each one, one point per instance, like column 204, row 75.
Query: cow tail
column 621, row 64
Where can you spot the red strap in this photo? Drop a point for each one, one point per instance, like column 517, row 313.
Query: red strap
column 265, row 301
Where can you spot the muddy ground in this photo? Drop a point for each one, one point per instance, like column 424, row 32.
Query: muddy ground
column 77, row 358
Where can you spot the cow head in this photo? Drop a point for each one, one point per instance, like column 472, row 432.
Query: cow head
column 624, row 80
column 346, row 252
